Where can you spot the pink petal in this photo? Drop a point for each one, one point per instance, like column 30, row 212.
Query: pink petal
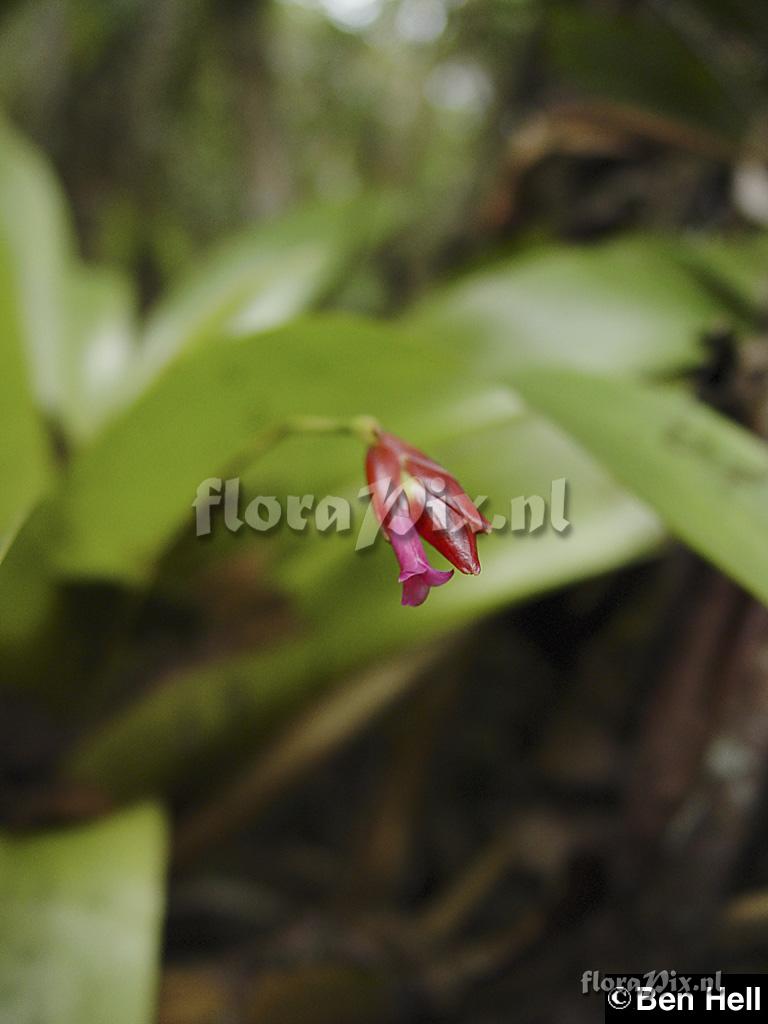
column 415, row 592
column 416, row 574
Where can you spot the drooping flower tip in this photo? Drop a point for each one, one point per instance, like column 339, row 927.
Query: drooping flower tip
column 412, row 494
column 416, row 574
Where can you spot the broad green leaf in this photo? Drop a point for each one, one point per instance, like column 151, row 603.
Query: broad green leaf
column 349, row 602
column 79, row 931
column 706, row 477
column 100, row 349
column 34, row 227
column 133, row 487
column 24, row 462
column 257, row 281
column 735, row 269
column 624, row 307
column 75, row 323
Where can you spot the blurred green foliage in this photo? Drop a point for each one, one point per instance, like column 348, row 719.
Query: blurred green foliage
column 82, row 906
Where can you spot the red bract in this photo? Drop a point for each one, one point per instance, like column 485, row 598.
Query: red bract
column 411, row 491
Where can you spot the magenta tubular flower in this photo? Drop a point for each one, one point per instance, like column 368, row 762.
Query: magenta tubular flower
column 411, row 490
column 416, row 574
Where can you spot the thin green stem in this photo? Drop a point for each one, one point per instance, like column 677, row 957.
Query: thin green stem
column 366, row 428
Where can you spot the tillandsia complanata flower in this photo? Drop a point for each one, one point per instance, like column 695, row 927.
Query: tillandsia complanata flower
column 416, row 574
column 413, row 496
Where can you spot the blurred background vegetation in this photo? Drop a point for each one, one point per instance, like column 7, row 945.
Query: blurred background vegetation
column 240, row 783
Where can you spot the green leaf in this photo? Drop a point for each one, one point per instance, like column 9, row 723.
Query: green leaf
column 706, row 477
column 348, row 602
column 129, row 492
column 75, row 324
column 79, row 931
column 24, row 461
column 257, row 281
column 624, row 307
column 35, row 229
column 735, row 269
column 100, row 349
